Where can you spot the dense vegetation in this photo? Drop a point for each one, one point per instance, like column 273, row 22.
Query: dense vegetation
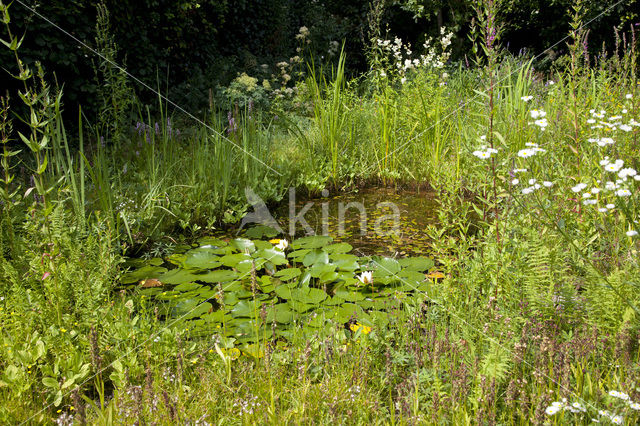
column 122, row 299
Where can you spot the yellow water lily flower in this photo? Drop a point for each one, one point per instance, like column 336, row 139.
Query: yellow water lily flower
column 357, row 326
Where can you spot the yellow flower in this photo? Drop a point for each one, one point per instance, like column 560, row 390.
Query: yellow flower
column 63, row 330
column 274, row 241
column 357, row 326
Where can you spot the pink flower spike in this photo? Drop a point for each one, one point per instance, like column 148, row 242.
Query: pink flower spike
column 46, row 275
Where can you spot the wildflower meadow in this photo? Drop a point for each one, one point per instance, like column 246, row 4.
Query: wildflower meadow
column 320, row 213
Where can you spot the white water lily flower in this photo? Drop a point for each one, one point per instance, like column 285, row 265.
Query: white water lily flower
column 282, row 245
column 366, row 277
column 631, row 233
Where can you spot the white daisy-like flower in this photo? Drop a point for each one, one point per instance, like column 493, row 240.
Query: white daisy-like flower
column 532, row 181
column 527, row 190
column 526, row 153
column 591, row 121
column 631, row 233
column 579, row 187
column 614, row 167
column 615, row 118
column 519, row 170
column 586, row 195
column 603, row 209
column 625, row 127
column 537, row 113
column 526, row 98
column 589, row 202
column 629, row 96
column 595, row 190
column 483, row 155
column 542, row 123
column 611, row 206
column 627, row 172
column 610, row 186
column 547, row 184
column 616, row 420
column 552, row 410
column 515, row 181
column 634, row 406
column 623, row 193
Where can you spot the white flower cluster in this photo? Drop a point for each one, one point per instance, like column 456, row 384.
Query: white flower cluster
column 612, row 123
column 400, row 55
column 539, row 116
column 558, row 406
column 485, row 152
column 531, row 150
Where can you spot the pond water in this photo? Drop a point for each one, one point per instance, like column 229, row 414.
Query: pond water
column 380, row 221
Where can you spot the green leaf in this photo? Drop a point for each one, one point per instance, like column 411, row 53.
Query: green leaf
column 416, row 263
column 50, row 382
column 219, row 276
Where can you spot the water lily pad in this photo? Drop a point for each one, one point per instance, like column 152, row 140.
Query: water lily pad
column 272, row 255
column 217, row 276
column 280, row 313
column 246, row 309
column 178, row 276
column 350, row 296
column 315, row 256
column 288, row 273
column 231, row 260
column 201, row 259
column 338, row 248
column 187, row 287
column 143, row 273
column 243, row 244
column 419, row 264
column 314, row 241
column 386, row 266
column 319, row 269
column 297, row 255
column 261, row 231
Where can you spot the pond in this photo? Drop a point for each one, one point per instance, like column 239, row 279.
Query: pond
column 380, row 221
column 244, row 289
